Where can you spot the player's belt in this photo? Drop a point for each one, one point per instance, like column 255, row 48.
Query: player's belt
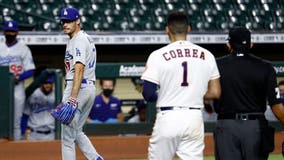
column 40, row 132
column 85, row 81
column 241, row 116
column 176, row 108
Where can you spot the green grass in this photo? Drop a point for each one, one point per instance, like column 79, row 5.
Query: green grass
column 271, row 157
column 275, row 157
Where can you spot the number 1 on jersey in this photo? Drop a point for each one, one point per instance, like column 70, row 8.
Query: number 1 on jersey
column 184, row 81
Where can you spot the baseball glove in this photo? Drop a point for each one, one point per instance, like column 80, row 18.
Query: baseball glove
column 65, row 112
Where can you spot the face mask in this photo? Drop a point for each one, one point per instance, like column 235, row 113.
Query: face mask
column 282, row 97
column 10, row 38
column 107, row 92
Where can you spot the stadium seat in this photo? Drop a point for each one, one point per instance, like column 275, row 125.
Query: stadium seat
column 175, row 5
column 140, row 15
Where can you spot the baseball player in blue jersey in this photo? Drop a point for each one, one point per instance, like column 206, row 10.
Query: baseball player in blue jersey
column 38, row 106
column 186, row 75
column 80, row 63
column 18, row 57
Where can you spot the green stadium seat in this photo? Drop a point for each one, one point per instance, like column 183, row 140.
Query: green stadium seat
column 279, row 22
column 175, row 5
column 140, row 15
column 117, row 19
column 125, row 5
column 101, row 4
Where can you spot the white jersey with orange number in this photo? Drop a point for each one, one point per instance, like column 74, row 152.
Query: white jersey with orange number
column 81, row 49
column 182, row 70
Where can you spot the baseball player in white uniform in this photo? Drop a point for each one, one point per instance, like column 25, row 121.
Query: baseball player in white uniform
column 80, row 63
column 185, row 74
column 18, row 57
column 38, row 106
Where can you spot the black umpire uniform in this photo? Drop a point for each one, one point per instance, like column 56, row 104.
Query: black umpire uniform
column 247, row 83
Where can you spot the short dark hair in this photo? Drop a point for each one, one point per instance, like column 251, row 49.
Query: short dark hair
column 281, row 83
column 108, row 79
column 177, row 22
column 240, row 39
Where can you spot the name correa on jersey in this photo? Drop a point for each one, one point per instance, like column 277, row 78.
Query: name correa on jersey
column 185, row 52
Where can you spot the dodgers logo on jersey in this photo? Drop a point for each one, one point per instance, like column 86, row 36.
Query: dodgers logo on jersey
column 9, row 59
column 37, row 107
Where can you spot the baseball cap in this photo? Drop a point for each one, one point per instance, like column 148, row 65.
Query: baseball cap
column 69, row 14
column 239, row 36
column 49, row 79
column 11, row 25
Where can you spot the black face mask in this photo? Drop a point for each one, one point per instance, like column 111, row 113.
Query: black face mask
column 107, row 92
column 10, row 38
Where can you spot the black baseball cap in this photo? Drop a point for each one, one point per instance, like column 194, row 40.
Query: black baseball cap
column 239, row 36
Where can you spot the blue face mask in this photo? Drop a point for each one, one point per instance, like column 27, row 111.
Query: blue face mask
column 282, row 97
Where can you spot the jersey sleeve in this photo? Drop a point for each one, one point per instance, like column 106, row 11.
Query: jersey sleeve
column 151, row 72
column 273, row 94
column 214, row 69
column 79, row 50
column 27, row 107
column 28, row 61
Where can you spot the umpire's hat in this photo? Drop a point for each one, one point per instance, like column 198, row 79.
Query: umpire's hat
column 11, row 25
column 69, row 14
column 239, row 36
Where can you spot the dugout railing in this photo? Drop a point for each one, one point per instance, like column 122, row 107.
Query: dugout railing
column 103, row 70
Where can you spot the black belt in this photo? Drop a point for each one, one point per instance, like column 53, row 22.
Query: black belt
column 172, row 108
column 40, row 132
column 241, row 116
column 85, row 81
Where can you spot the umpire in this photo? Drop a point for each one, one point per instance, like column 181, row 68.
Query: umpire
column 247, row 82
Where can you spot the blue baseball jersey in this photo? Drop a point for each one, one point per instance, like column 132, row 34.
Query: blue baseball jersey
column 103, row 111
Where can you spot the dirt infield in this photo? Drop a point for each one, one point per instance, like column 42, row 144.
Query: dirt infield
column 111, row 147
